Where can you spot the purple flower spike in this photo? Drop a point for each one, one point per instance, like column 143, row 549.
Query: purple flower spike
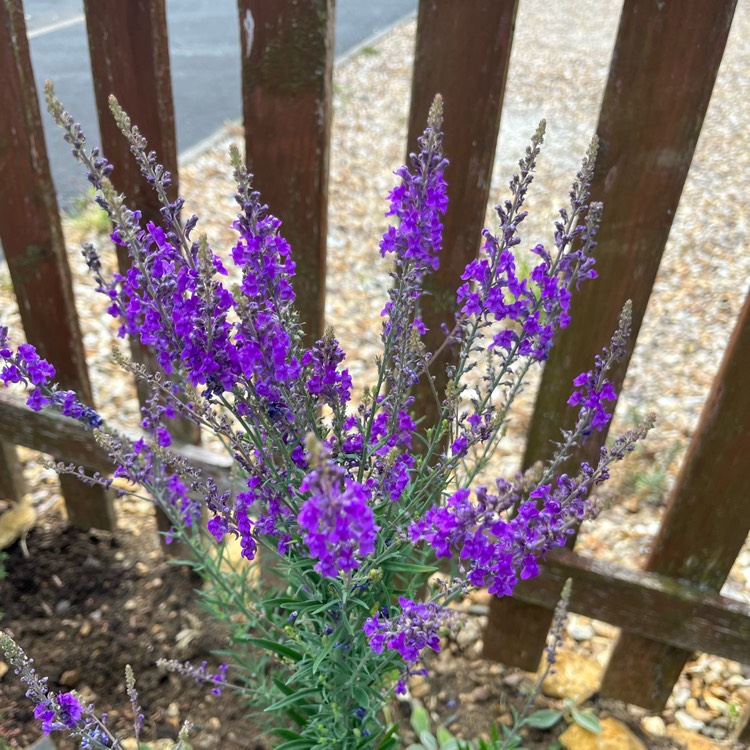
column 418, row 203
column 339, row 522
column 416, row 628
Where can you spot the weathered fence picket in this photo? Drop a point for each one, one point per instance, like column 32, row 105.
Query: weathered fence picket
column 287, row 86
column 704, row 526
column 661, row 76
column 130, row 60
column 34, row 247
column 479, row 33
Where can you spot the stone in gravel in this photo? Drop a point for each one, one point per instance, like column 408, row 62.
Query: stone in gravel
column 604, row 629
column 482, row 596
column 514, row 680
column 686, row 721
column 3, row 669
column 85, row 629
column 470, row 632
column 696, row 711
column 691, row 740
column 480, row 694
column 70, row 678
column 654, row 725
column 614, row 736
column 680, row 696
column 716, row 704
column 580, row 631
column 418, row 687
column 576, row 677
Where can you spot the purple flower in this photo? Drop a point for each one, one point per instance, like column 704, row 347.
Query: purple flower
column 331, row 385
column 591, row 394
column 38, row 370
column 64, row 711
column 416, row 628
column 71, row 709
column 339, row 522
column 201, row 674
column 592, row 387
column 26, row 366
column 47, row 716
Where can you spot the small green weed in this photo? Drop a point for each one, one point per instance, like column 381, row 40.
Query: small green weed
column 650, row 483
column 87, row 217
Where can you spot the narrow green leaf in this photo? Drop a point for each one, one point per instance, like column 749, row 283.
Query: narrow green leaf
column 324, row 653
column 428, row 741
column 295, row 745
column 290, row 700
column 286, row 734
column 390, row 741
column 443, row 735
column 396, row 566
column 587, row 720
column 545, row 718
column 420, row 719
column 277, row 648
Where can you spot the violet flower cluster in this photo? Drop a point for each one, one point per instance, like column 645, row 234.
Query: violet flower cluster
column 417, row 627
column 338, row 521
column 352, row 502
column 57, row 711
column 26, row 367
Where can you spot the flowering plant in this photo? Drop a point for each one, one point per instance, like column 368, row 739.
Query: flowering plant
column 349, row 506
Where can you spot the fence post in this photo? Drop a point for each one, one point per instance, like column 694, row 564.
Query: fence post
column 287, row 79
column 12, row 486
column 130, row 58
column 462, row 53
column 704, row 526
column 33, row 243
column 663, row 69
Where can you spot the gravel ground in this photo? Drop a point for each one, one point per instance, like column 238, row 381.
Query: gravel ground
column 558, row 70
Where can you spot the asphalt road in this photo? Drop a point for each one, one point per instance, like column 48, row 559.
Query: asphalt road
column 205, row 61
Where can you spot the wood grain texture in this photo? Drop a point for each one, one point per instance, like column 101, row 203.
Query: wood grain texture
column 71, row 442
column 129, row 50
column 287, row 79
column 655, row 606
column 33, row 242
column 661, row 76
column 12, row 485
column 462, row 53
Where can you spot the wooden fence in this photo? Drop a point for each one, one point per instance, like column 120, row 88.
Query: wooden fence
column 662, row 73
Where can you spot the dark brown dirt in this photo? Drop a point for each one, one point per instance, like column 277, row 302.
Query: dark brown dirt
column 85, row 604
